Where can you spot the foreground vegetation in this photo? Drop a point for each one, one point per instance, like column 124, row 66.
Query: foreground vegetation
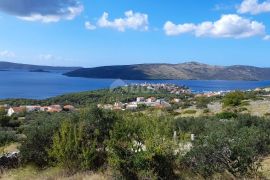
column 146, row 144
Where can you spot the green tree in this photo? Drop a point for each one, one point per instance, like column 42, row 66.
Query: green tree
column 7, row 137
column 39, row 139
column 228, row 148
column 233, row 99
column 141, row 147
column 4, row 120
column 80, row 142
column 202, row 102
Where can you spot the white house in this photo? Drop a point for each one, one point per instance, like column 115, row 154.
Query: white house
column 140, row 99
column 15, row 110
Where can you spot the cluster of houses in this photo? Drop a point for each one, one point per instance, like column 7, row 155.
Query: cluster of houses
column 148, row 102
column 22, row 109
column 212, row 93
column 170, row 88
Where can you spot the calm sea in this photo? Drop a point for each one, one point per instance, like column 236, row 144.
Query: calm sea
column 19, row 84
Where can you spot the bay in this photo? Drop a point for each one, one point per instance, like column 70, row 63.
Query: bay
column 37, row 85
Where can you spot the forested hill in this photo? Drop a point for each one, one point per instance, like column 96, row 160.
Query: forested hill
column 186, row 71
column 17, row 66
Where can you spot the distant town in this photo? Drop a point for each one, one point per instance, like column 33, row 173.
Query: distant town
column 151, row 101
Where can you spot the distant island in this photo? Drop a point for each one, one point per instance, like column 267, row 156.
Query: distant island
column 28, row 67
column 39, row 70
column 183, row 71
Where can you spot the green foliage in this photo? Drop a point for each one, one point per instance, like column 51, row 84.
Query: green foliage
column 226, row 115
column 206, row 111
column 2, row 112
column 202, row 102
column 80, row 142
column 141, row 107
column 238, row 152
column 39, row 139
column 233, row 99
column 190, row 111
column 7, row 137
column 70, row 149
column 235, row 146
column 141, row 144
column 4, row 120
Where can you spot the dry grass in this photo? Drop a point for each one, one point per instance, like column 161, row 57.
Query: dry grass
column 259, row 108
column 9, row 148
column 29, row 172
column 265, row 171
column 254, row 108
column 215, row 107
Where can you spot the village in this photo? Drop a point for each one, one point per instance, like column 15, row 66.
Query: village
column 168, row 88
column 154, row 102
column 138, row 102
column 35, row 108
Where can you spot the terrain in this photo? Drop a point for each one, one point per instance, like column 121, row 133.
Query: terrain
column 183, row 71
column 232, row 129
column 28, row 67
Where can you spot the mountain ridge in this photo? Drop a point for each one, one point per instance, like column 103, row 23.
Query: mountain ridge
column 4, row 65
column 184, row 71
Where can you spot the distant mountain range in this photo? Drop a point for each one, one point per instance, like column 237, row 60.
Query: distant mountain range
column 184, row 71
column 4, row 66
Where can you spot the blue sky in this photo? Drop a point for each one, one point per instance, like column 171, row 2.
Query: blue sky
column 112, row 32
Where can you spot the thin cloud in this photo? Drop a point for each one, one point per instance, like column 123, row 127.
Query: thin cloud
column 253, row 7
column 88, row 25
column 135, row 21
column 43, row 10
column 266, row 38
column 7, row 54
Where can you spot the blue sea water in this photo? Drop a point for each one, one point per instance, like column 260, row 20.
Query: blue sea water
column 36, row 85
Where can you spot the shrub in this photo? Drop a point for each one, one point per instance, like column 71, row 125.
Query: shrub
column 190, row 111
column 202, row 102
column 39, row 140
column 233, row 99
column 227, row 147
column 7, row 137
column 4, row 120
column 226, row 115
column 235, row 146
column 80, row 142
column 141, row 148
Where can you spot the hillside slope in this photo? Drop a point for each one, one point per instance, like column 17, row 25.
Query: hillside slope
column 186, row 71
column 17, row 66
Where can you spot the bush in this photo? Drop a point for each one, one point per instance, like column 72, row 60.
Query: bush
column 217, row 153
column 4, row 120
column 140, row 146
column 233, row 99
column 226, row 115
column 39, row 139
column 235, row 146
column 190, row 111
column 7, row 137
column 202, row 102
column 80, row 142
